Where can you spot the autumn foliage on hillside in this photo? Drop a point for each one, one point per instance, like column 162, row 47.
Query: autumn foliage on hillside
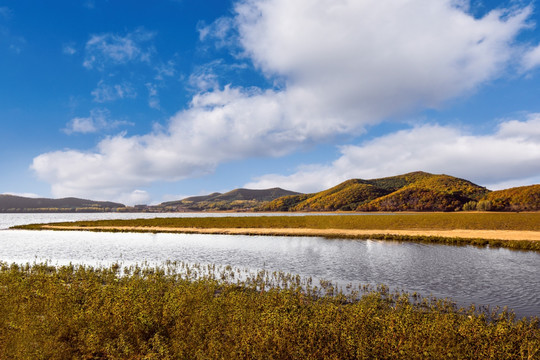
column 524, row 198
column 345, row 196
column 416, row 191
column 433, row 193
column 238, row 199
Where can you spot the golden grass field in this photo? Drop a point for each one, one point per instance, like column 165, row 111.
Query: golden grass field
column 510, row 230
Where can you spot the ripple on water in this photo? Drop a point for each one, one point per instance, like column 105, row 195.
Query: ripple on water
column 465, row 274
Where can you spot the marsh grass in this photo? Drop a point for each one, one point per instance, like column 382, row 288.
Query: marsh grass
column 182, row 311
column 410, row 221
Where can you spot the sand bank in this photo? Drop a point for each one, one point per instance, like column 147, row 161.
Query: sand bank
column 465, row 234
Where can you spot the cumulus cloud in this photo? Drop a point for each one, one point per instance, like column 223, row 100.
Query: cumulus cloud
column 98, row 120
column 371, row 59
column 510, row 156
column 218, row 126
column 112, row 49
column 340, row 66
column 106, row 93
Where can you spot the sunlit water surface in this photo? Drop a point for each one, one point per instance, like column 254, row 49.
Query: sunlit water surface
column 467, row 275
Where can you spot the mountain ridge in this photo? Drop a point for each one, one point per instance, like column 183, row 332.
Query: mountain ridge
column 414, row 191
column 237, row 199
column 14, row 203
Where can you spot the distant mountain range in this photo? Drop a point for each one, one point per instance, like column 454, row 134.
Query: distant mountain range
column 416, row 191
column 238, row 200
column 12, row 203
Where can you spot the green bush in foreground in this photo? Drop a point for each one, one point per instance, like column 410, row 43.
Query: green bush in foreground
column 196, row 312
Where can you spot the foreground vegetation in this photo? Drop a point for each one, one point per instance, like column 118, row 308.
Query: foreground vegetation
column 416, row 221
column 204, row 312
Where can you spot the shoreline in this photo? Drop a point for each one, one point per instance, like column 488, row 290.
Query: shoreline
column 504, row 235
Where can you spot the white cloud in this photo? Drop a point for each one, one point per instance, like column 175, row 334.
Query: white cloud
column 209, row 76
column 69, row 49
column 531, row 58
column 136, row 197
column 165, row 70
column 153, row 97
column 106, row 93
column 365, row 60
column 342, row 65
column 204, row 77
column 508, row 157
column 82, row 125
column 221, row 31
column 112, row 49
column 98, row 120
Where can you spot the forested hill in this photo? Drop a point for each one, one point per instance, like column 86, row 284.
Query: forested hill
column 238, row 199
column 523, row 198
column 416, row 191
column 12, row 203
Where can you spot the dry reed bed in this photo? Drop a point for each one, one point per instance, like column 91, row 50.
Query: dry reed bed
column 185, row 311
column 509, row 230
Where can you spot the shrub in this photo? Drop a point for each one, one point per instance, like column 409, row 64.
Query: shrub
column 484, row 205
column 470, row 206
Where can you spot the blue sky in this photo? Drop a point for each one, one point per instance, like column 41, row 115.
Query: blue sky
column 143, row 102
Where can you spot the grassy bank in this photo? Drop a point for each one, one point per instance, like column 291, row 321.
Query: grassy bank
column 420, row 221
column 414, row 221
column 194, row 312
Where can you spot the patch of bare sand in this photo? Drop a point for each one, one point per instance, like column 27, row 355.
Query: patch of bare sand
column 458, row 233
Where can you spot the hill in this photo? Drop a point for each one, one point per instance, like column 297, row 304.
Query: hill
column 523, row 198
column 238, row 199
column 429, row 193
column 416, row 191
column 345, row 196
column 12, row 203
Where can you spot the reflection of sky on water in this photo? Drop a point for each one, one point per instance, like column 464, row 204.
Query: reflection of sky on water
column 465, row 274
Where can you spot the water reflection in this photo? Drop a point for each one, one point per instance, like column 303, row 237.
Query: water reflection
column 465, row 274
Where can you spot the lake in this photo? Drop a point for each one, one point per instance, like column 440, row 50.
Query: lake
column 467, row 275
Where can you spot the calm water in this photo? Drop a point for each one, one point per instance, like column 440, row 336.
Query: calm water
column 495, row 277
column 8, row 220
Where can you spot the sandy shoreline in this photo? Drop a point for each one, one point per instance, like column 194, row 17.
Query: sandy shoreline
column 465, row 234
